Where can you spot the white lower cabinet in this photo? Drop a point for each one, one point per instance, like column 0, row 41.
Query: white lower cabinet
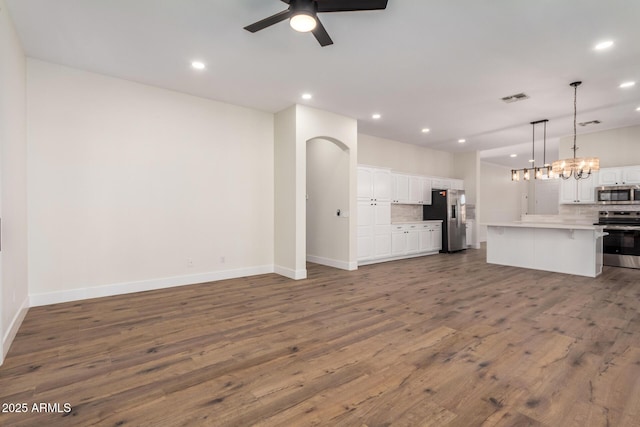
column 374, row 230
column 405, row 239
column 418, row 238
column 430, row 237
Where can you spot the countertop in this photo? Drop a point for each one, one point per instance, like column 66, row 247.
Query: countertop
column 558, row 225
column 432, row 221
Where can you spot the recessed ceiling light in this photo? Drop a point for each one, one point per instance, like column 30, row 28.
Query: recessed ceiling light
column 638, row 109
column 513, row 155
column 198, row 65
column 604, row 45
column 307, row 96
column 376, row 116
column 627, row 84
column 532, row 161
column 462, row 141
column 426, row 130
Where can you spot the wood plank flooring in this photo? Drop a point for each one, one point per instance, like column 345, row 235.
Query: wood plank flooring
column 444, row 340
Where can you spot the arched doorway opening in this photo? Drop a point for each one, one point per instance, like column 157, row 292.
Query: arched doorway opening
column 327, row 202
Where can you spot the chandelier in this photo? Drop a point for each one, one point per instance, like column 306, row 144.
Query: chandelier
column 578, row 167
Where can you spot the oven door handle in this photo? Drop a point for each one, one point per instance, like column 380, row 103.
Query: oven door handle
column 622, row 227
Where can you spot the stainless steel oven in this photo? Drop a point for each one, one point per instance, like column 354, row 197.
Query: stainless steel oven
column 618, row 195
column 621, row 246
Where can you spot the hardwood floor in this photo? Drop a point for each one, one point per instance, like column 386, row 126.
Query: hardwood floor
column 444, row 340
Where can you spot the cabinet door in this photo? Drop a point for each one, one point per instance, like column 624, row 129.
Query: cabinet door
column 631, row 175
column 587, row 189
column 381, row 214
column 382, row 245
column 469, row 230
column 437, row 237
column 413, row 241
column 426, row 191
column 568, row 191
column 374, row 229
column 610, row 176
column 366, row 214
column 381, row 185
column 440, row 184
column 365, row 246
column 425, row 238
column 402, row 188
column 415, row 190
column 365, row 183
column 398, row 243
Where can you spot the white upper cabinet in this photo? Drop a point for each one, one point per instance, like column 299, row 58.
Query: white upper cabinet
column 610, row 176
column 440, row 183
column 619, row 176
column 377, row 184
column 631, row 175
column 399, row 188
column 374, row 184
column 410, row 189
column 415, row 190
column 426, row 190
column 579, row 191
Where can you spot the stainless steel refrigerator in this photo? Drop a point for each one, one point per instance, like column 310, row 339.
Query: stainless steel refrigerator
column 449, row 206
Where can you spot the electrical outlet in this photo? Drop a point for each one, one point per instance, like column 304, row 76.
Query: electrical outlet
column 189, row 262
column 222, row 260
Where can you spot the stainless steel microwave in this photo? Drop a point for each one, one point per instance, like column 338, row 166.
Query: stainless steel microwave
column 618, row 195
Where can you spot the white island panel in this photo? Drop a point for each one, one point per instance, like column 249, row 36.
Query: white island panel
column 562, row 248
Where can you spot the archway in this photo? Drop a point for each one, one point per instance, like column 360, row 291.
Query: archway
column 328, row 202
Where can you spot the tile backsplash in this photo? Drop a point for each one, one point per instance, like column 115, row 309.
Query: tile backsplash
column 406, row 213
column 591, row 211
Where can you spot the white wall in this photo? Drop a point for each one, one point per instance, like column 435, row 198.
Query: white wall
column 327, row 191
column 500, row 197
column 13, row 183
column 294, row 127
column 133, row 187
column 404, row 157
column 287, row 173
column 614, row 147
column 466, row 166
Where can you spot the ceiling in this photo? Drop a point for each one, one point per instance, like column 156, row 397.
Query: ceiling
column 438, row 64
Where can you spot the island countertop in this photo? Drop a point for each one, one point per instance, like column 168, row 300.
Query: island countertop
column 559, row 225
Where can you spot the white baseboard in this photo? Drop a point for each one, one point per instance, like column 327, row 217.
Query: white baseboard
column 143, row 285
column 13, row 329
column 290, row 273
column 343, row 265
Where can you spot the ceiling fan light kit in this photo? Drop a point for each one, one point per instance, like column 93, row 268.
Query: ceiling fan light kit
column 303, row 22
column 302, row 15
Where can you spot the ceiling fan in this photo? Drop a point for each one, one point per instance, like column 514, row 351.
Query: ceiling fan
column 303, row 17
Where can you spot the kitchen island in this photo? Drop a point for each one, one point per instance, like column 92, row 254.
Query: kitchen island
column 562, row 247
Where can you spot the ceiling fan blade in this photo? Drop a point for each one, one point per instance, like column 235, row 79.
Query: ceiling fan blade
column 350, row 5
column 321, row 34
column 267, row 22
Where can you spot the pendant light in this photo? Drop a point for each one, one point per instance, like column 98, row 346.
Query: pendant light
column 578, row 167
column 545, row 171
column 542, row 172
